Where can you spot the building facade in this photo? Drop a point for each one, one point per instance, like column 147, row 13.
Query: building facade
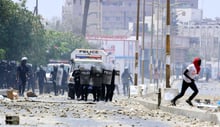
column 108, row 16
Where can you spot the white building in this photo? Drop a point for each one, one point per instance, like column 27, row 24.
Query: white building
column 189, row 14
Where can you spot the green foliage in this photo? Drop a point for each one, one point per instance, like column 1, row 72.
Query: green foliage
column 19, row 30
column 61, row 44
column 2, row 54
column 22, row 34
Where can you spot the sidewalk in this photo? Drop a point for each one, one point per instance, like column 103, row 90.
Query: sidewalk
column 205, row 112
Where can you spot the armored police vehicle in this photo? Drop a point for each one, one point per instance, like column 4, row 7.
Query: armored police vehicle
column 85, row 60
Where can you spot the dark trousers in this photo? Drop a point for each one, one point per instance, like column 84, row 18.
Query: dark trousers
column 31, row 84
column 109, row 92
column 71, row 91
column 96, row 93
column 41, row 87
column 55, row 88
column 22, row 85
column 185, row 85
column 85, row 92
column 63, row 88
column 125, row 89
column 78, row 90
column 102, row 93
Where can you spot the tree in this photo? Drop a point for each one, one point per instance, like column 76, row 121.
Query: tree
column 2, row 54
column 85, row 17
column 21, row 32
column 61, row 44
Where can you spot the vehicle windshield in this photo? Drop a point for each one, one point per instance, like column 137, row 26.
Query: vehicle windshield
column 50, row 67
column 87, row 64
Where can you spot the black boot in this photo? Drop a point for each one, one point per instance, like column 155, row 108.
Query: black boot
column 189, row 102
column 173, row 103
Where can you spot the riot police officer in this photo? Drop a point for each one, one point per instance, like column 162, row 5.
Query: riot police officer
column 107, row 82
column 97, row 77
column 75, row 89
column 85, row 75
column 111, row 87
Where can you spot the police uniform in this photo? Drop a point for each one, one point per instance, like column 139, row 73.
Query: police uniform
column 107, row 82
column 85, row 81
column 97, row 77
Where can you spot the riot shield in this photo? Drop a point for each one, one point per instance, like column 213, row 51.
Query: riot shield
column 85, row 76
column 96, row 76
column 107, row 77
column 59, row 76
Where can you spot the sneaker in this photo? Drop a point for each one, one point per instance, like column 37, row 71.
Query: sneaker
column 173, row 103
column 189, row 102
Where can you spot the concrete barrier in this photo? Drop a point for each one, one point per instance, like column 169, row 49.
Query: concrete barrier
column 168, row 94
column 192, row 112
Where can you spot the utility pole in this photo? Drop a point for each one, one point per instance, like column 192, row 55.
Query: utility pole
column 158, row 10
column 36, row 8
column 168, row 45
column 143, row 34
column 157, row 58
column 152, row 39
column 218, row 55
column 100, row 21
column 136, row 45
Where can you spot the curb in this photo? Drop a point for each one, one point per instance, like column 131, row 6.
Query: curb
column 187, row 111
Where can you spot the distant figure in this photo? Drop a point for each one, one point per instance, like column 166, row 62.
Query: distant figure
column 31, row 78
column 12, row 75
column 22, row 75
column 3, row 72
column 156, row 77
column 126, row 79
column 63, row 86
column 41, row 76
column 208, row 74
column 54, row 76
column 77, row 87
column 189, row 76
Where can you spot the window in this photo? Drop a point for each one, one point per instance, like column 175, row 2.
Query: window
column 106, row 18
column 117, row 18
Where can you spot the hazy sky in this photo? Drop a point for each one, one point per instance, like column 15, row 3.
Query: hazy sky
column 47, row 8
column 211, row 8
column 52, row 8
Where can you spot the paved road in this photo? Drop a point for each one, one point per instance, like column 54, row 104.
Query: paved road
column 50, row 111
column 57, row 111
